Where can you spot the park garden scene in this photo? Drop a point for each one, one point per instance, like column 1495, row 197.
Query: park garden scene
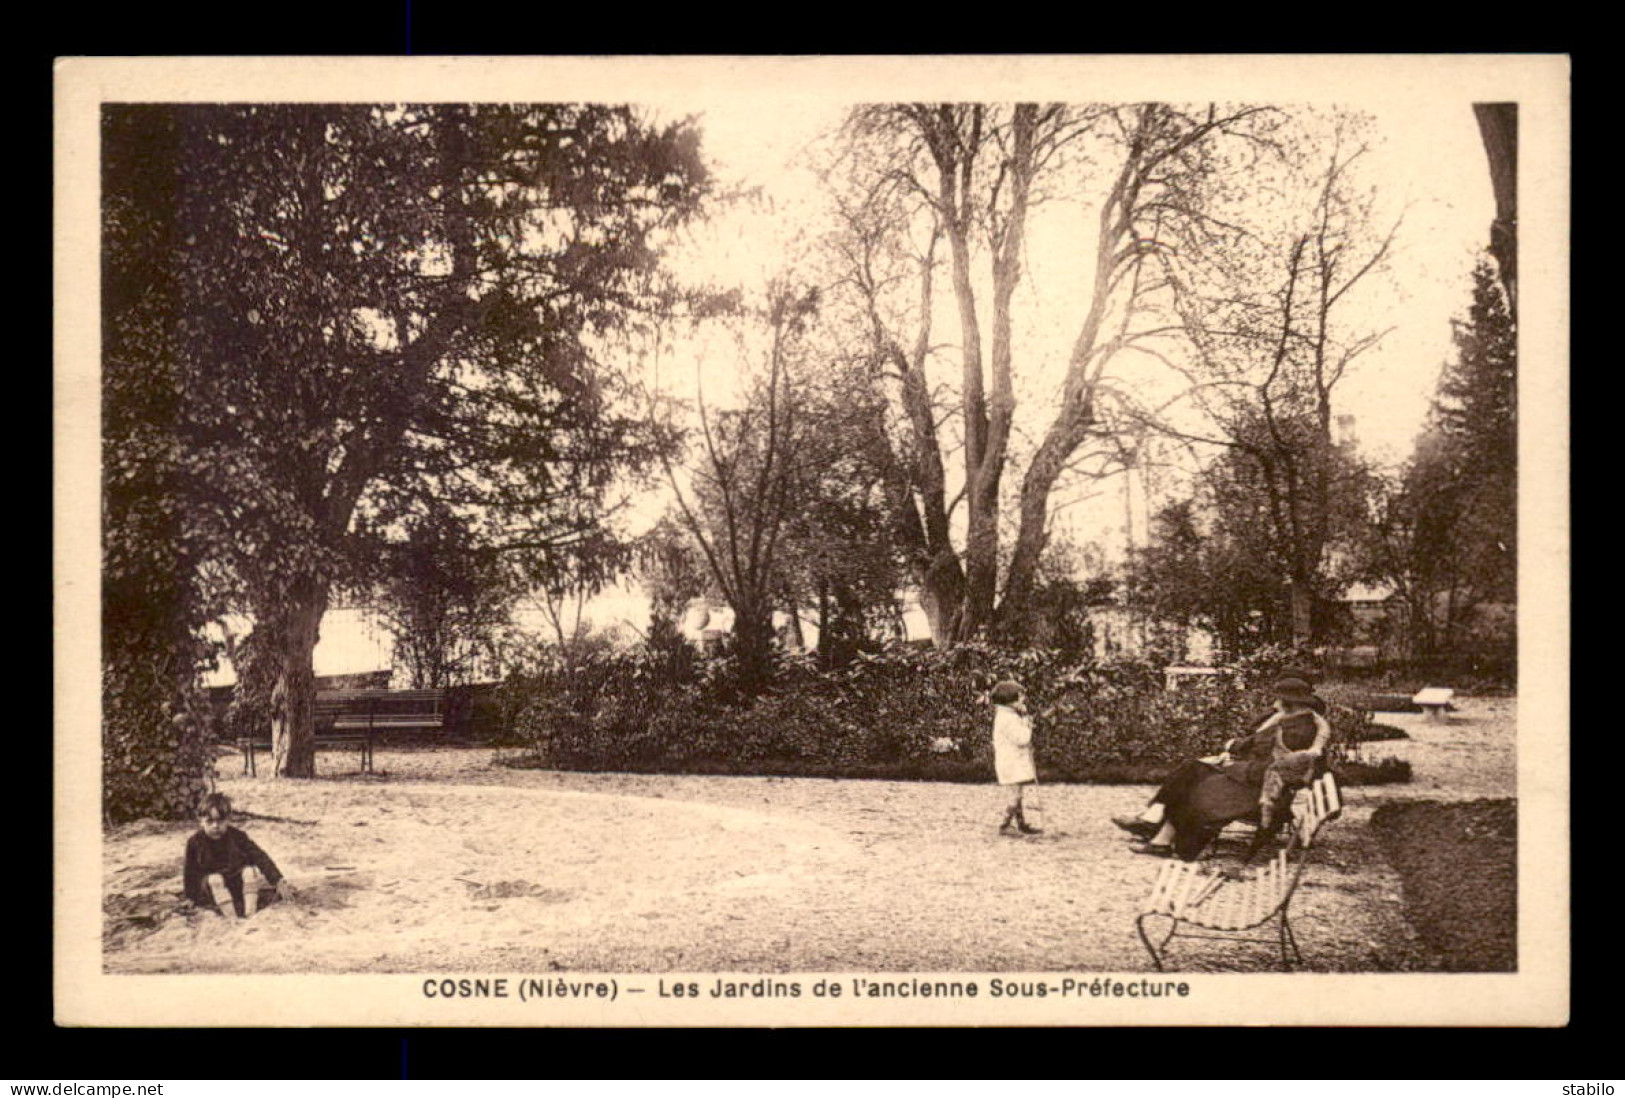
column 592, row 538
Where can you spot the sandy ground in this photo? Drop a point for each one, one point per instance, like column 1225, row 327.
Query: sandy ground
column 445, row 861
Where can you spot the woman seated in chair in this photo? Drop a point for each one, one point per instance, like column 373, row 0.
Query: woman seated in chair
column 1254, row 779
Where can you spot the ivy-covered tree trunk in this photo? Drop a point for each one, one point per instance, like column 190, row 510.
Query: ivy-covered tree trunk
column 155, row 719
column 155, row 734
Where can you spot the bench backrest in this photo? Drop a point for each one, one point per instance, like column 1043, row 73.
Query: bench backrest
column 417, row 700
column 1194, row 892
column 424, row 708
column 1320, row 802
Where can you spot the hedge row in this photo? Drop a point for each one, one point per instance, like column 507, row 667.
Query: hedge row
column 920, row 714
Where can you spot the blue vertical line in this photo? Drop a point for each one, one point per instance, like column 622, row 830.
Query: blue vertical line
column 409, row 54
column 404, row 1074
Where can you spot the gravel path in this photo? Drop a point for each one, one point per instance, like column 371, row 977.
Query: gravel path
column 446, row 861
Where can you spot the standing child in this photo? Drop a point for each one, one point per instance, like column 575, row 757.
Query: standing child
column 223, row 863
column 1013, row 752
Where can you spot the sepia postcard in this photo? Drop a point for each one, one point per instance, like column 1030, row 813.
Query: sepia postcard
column 811, row 541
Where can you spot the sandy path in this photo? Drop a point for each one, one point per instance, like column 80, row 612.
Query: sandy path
column 447, row 862
column 1472, row 755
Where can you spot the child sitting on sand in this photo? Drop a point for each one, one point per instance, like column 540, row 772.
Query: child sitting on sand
column 224, row 863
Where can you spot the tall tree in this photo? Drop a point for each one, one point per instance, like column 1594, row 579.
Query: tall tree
column 154, row 603
column 741, row 493
column 1198, row 569
column 977, row 172
column 841, row 556
column 871, row 253
column 1447, row 529
column 1272, row 342
column 1476, row 413
column 379, row 304
column 444, row 597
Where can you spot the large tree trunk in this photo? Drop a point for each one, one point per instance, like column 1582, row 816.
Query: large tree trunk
column 1016, row 608
column 1498, row 125
column 981, row 572
column 753, row 633
column 942, row 596
column 293, row 699
column 1075, row 415
column 1303, row 609
column 987, row 422
column 914, row 492
column 981, row 480
column 923, row 526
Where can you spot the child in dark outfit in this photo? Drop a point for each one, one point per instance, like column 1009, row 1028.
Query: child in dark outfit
column 221, row 861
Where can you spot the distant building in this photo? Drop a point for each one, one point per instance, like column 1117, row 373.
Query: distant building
column 1379, row 625
column 1373, row 608
column 1122, row 632
column 707, row 621
column 354, row 642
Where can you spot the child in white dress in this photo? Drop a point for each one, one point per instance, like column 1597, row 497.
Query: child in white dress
column 1013, row 753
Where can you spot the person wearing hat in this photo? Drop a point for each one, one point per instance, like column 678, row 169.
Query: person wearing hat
column 1013, row 753
column 1202, row 796
column 1301, row 735
column 1316, row 702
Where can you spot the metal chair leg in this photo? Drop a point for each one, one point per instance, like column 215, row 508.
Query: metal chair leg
column 1291, row 939
column 1156, row 951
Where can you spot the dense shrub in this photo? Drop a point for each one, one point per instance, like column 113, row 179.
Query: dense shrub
column 1485, row 671
column 906, row 713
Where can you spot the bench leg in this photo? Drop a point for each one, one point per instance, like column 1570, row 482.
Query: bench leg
column 1157, row 951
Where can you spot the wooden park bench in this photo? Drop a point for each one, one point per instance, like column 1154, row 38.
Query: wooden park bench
column 351, row 717
column 1175, row 679
column 1224, row 904
column 1435, row 701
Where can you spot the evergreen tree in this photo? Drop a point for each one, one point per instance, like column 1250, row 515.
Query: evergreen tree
column 1476, row 416
column 1445, row 532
